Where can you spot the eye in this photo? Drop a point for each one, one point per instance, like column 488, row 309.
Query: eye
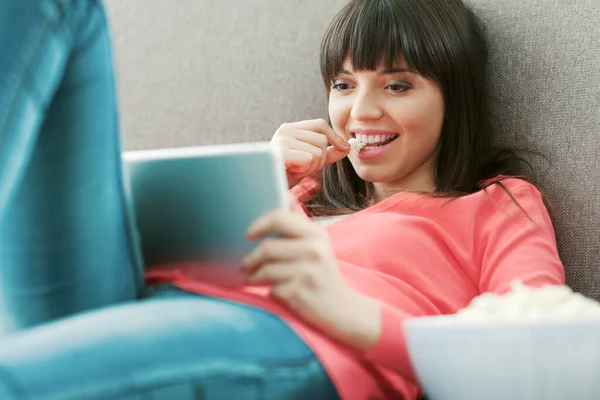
column 398, row 87
column 341, row 86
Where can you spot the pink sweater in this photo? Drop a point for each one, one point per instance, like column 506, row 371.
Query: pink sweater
column 418, row 255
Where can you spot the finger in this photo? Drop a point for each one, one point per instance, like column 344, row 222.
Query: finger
column 305, row 140
column 285, row 223
column 321, row 126
column 285, row 292
column 317, row 139
column 297, row 160
column 274, row 250
column 317, row 153
column 299, row 143
column 325, row 158
column 333, row 154
column 316, row 165
column 272, row 274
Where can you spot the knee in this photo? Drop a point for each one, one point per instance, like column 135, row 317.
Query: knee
column 78, row 16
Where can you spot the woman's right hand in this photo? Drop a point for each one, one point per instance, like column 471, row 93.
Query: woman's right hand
column 305, row 147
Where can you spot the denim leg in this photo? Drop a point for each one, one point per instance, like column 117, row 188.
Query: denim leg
column 174, row 346
column 66, row 242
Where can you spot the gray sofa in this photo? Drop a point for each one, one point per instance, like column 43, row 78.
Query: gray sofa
column 196, row 72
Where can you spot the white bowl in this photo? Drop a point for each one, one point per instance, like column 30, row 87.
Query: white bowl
column 464, row 360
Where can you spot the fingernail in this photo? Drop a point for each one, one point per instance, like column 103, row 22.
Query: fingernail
column 246, row 262
column 250, row 232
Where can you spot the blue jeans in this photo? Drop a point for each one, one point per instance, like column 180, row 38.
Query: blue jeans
column 76, row 320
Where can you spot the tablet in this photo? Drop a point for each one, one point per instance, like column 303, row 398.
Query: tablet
column 193, row 206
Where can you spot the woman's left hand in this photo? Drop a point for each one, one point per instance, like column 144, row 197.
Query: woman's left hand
column 302, row 271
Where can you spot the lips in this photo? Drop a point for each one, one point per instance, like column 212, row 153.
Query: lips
column 370, row 144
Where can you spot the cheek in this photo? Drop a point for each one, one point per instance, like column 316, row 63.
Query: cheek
column 423, row 117
column 337, row 113
column 437, row 112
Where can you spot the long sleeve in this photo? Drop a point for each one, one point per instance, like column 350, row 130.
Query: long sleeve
column 511, row 243
column 519, row 242
column 390, row 351
column 306, row 189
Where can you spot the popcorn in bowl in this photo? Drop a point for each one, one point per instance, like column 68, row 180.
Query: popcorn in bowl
column 552, row 303
column 525, row 344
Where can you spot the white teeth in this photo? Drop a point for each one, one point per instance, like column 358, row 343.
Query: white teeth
column 367, row 139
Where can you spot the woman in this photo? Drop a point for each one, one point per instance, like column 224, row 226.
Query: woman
column 433, row 217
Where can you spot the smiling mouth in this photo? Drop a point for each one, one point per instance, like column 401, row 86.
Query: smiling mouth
column 369, row 142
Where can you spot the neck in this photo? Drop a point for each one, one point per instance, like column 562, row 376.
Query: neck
column 421, row 180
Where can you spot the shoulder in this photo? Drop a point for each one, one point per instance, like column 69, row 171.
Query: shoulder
column 513, row 204
column 503, row 200
column 510, row 190
column 501, row 185
column 499, row 192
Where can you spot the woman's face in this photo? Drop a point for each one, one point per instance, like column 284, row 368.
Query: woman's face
column 398, row 114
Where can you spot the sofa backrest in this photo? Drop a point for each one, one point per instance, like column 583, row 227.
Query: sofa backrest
column 217, row 71
column 545, row 89
column 221, row 71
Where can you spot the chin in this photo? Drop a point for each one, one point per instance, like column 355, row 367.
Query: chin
column 375, row 176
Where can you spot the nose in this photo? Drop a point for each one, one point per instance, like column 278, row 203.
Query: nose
column 366, row 107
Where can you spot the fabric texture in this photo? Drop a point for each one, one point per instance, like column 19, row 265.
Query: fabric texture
column 545, row 87
column 221, row 71
column 426, row 256
column 198, row 349
column 65, row 235
column 217, row 71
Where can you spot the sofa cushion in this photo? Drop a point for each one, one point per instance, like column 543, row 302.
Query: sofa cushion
column 217, row 71
column 545, row 89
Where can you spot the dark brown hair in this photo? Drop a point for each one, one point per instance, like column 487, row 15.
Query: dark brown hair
column 444, row 42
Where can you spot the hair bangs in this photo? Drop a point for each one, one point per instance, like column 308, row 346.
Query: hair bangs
column 370, row 34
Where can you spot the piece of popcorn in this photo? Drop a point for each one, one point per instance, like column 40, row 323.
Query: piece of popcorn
column 356, row 144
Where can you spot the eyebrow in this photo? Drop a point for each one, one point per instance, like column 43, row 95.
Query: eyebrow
column 385, row 71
